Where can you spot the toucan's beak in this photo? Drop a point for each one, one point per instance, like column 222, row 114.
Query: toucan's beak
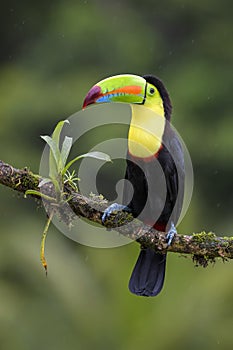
column 119, row 88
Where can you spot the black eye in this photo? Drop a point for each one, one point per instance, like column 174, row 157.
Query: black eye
column 152, row 91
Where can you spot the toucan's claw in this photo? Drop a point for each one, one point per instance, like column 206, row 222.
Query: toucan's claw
column 171, row 234
column 115, row 207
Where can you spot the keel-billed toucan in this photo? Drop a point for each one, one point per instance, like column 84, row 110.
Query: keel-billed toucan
column 154, row 161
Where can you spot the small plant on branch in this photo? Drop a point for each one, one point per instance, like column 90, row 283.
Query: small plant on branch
column 59, row 175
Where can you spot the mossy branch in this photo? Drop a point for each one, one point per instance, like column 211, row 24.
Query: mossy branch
column 204, row 247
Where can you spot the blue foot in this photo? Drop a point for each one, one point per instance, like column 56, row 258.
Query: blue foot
column 171, row 234
column 113, row 208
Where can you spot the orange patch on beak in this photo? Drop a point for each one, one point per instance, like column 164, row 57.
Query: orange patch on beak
column 132, row 90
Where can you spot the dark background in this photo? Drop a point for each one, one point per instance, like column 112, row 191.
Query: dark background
column 51, row 54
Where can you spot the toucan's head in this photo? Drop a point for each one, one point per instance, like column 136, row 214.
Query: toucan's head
column 147, row 90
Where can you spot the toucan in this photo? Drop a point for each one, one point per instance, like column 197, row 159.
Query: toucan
column 154, row 168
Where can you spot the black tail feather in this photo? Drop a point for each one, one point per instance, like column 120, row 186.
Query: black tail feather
column 148, row 274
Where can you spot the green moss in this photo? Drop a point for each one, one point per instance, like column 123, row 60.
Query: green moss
column 25, row 180
column 29, row 180
column 203, row 260
column 203, row 237
column 98, row 198
column 118, row 218
column 227, row 238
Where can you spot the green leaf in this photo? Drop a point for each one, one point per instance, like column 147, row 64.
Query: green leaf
column 65, row 151
column 55, row 159
column 57, row 131
column 53, row 147
column 56, row 138
column 97, row 155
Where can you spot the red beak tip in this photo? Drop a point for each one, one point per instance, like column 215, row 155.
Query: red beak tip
column 92, row 96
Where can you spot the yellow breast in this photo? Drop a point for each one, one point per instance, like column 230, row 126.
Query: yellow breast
column 145, row 132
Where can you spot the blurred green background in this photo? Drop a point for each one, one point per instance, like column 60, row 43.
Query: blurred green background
column 51, row 54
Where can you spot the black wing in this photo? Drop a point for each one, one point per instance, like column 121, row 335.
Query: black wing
column 171, row 159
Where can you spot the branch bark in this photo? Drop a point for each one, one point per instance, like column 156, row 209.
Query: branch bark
column 204, row 247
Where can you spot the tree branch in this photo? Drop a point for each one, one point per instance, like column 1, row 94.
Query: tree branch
column 204, row 247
